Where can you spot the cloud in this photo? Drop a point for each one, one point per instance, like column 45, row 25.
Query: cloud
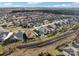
column 40, row 4
column 8, row 3
column 17, row 6
column 60, row 5
column 73, row 4
column 34, row 2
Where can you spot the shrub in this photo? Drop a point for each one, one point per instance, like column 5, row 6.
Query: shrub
column 75, row 27
column 4, row 26
column 44, row 54
column 63, row 30
column 52, row 33
column 59, row 48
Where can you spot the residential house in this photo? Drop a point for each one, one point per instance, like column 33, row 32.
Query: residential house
column 70, row 51
column 76, row 42
column 29, row 34
column 42, row 30
column 3, row 35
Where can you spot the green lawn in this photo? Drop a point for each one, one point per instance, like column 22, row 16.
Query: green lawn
column 1, row 50
column 53, row 51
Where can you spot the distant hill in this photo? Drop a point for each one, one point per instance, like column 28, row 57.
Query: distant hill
column 67, row 11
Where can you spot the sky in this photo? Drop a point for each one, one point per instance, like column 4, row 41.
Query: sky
column 40, row 4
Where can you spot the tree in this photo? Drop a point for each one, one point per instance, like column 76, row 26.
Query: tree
column 52, row 33
column 75, row 27
column 4, row 26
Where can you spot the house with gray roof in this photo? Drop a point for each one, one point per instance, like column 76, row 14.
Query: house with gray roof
column 42, row 31
column 70, row 51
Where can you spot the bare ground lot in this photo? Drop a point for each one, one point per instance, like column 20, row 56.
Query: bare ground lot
column 33, row 49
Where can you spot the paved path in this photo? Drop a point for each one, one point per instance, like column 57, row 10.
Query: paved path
column 67, row 37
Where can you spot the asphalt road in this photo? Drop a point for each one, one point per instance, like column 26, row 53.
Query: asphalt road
column 53, row 41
